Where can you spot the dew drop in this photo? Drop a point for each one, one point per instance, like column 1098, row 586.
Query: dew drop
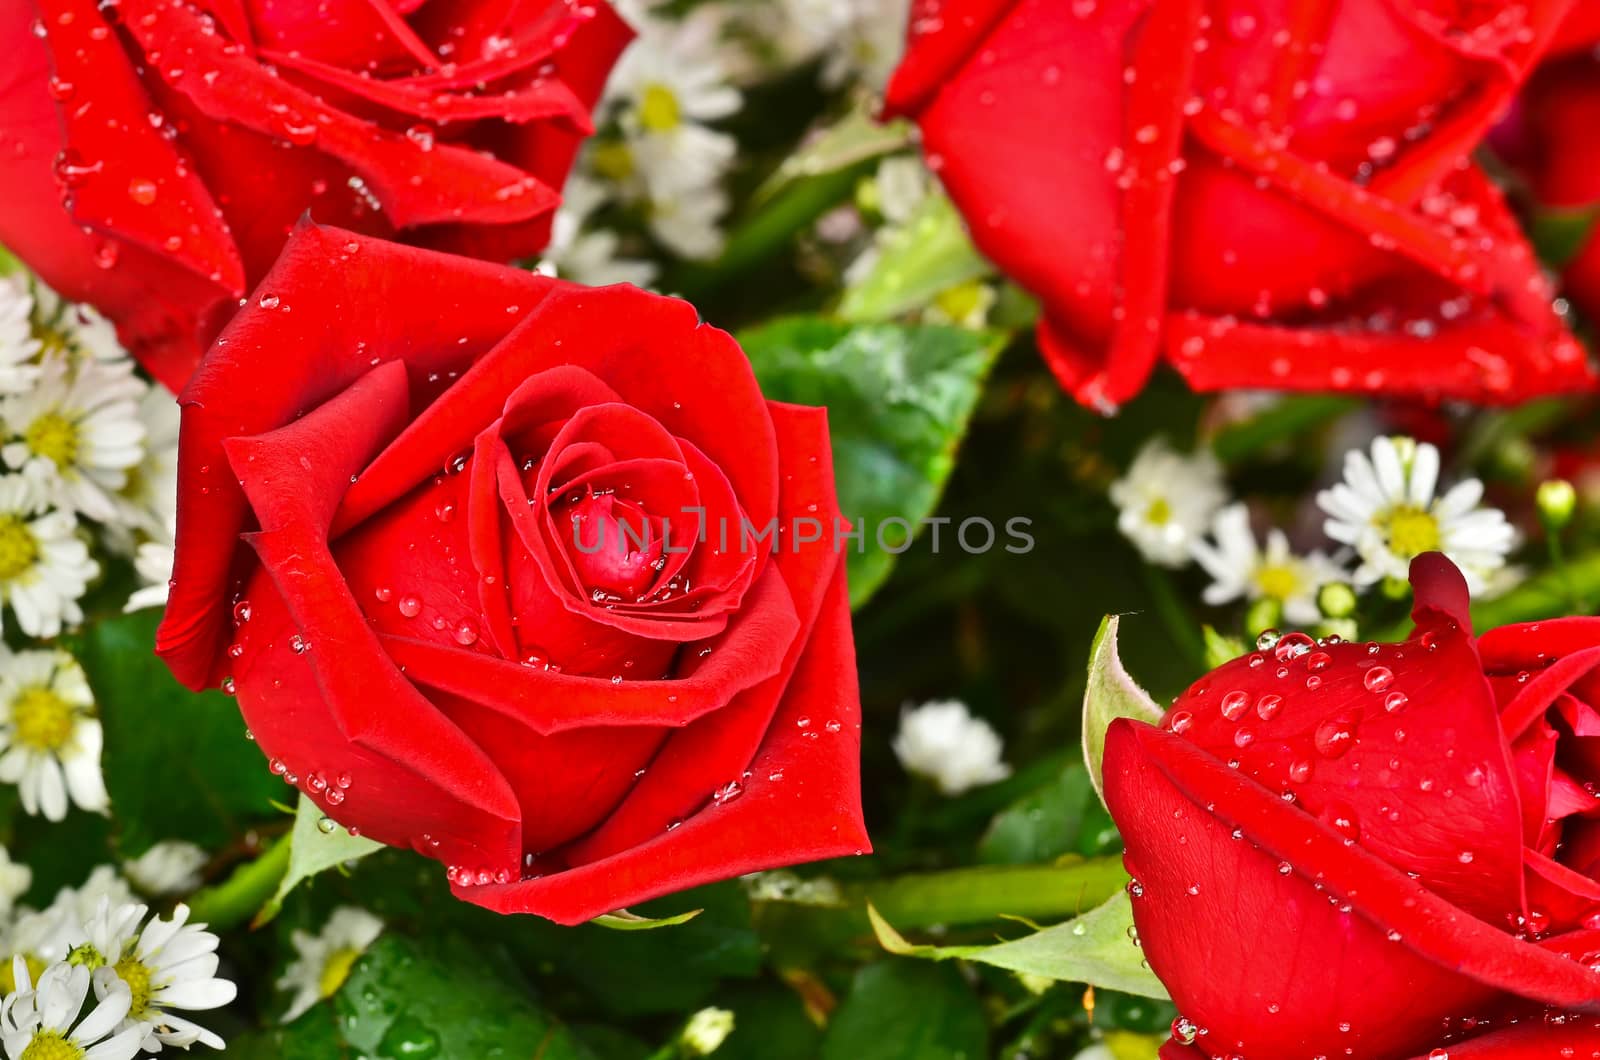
column 1378, row 679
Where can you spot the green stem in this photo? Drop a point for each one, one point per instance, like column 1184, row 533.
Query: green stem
column 239, row 897
column 972, row 895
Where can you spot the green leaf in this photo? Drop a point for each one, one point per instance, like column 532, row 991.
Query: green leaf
column 444, row 1002
column 177, row 763
column 1042, row 825
column 1111, row 694
column 622, row 920
column 855, row 138
column 901, row 1011
column 8, row 262
column 1096, row 948
column 931, row 252
column 899, row 400
column 314, row 847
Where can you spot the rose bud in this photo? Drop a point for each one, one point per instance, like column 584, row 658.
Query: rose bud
column 520, row 575
column 1275, row 196
column 1375, row 850
column 156, row 153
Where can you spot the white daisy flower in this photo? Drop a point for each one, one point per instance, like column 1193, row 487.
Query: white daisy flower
column 668, row 83
column 36, row 937
column 170, row 867
column 76, row 327
column 19, row 347
column 1241, row 569
column 1387, row 510
column 37, row 1023
column 44, row 566
column 49, row 737
column 77, row 433
column 166, row 964
column 153, row 562
column 15, row 879
column 76, row 905
column 589, row 256
column 687, row 222
column 323, row 961
column 1166, row 500
column 942, row 741
column 148, row 501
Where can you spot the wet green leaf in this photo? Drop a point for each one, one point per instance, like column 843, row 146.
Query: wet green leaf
column 316, row 845
column 406, row 999
column 899, row 400
column 1096, row 948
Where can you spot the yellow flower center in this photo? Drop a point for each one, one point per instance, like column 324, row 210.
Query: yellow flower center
column 8, row 982
column 658, row 109
column 19, row 550
column 51, row 1045
column 41, row 720
column 1159, row 513
column 336, row 969
column 963, row 301
column 51, row 341
column 53, row 437
column 133, row 972
column 87, row 956
column 1411, row 531
column 1277, row 581
column 612, row 159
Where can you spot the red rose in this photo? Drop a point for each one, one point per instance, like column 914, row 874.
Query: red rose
column 1374, row 850
column 1549, row 139
column 185, row 137
column 1272, row 195
column 466, row 543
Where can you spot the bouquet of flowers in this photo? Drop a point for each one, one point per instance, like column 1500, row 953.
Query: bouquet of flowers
column 801, row 529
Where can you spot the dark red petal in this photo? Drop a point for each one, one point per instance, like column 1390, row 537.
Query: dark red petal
column 294, row 476
column 716, row 750
column 1554, row 1037
column 440, row 313
column 811, row 811
column 165, row 314
column 416, row 186
column 1531, row 645
column 142, row 190
column 1400, row 748
column 1255, row 930
column 941, row 37
column 549, row 701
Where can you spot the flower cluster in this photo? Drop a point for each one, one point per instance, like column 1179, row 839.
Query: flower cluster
column 1386, row 510
column 88, row 478
column 143, row 971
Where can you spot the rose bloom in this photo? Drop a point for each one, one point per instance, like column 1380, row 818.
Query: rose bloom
column 155, row 153
column 1272, row 196
column 468, row 545
column 1549, row 140
column 1375, row 850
